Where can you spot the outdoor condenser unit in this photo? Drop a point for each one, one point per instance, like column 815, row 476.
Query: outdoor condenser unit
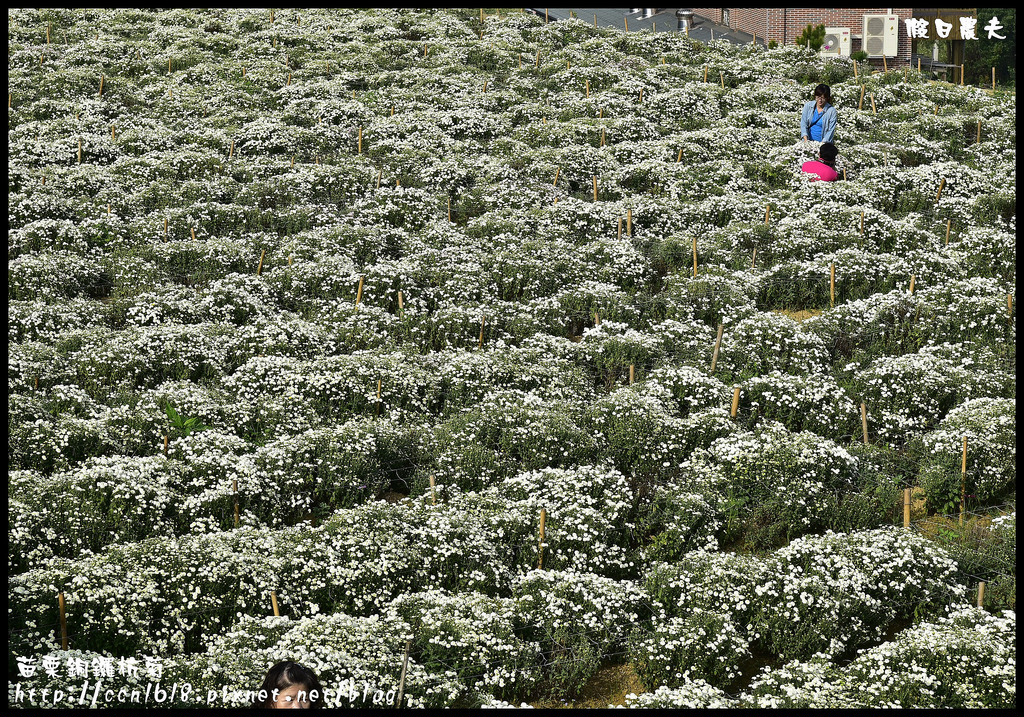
column 881, row 35
column 837, row 41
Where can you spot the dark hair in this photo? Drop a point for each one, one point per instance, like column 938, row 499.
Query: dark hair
column 827, row 153
column 825, row 91
column 284, row 675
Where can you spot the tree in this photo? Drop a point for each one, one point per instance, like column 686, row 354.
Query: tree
column 815, row 34
column 981, row 55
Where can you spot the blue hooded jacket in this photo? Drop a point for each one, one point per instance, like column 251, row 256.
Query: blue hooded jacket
column 827, row 123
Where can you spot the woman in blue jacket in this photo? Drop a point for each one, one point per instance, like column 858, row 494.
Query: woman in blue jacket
column 818, row 120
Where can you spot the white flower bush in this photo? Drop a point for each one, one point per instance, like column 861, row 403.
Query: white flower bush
column 352, row 260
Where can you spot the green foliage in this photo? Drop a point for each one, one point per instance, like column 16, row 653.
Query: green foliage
column 813, row 34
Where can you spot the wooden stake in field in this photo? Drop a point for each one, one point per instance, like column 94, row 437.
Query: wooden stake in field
column 101, row 86
column 979, row 132
column 874, row 110
column 767, row 212
column 61, row 607
column 480, row 344
column 631, row 373
column 602, row 136
column 540, row 543
column 906, row 507
column 679, row 157
column 948, row 225
column 259, row 267
column 359, row 145
column 695, row 255
column 855, row 75
column 165, row 445
column 595, row 187
column 359, row 291
column 963, row 483
column 832, row 283
column 735, row 402
column 79, row 150
column 864, row 421
column 619, row 234
column 231, row 150
column 913, row 278
column 885, row 65
column 938, row 194
column 718, row 345
column 629, row 221
column 433, row 491
column 860, row 103
column 557, row 170
column 993, row 78
column 273, row 602
column 405, row 667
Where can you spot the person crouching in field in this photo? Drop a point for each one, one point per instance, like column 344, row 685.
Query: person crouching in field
column 825, row 166
column 818, row 119
column 290, row 686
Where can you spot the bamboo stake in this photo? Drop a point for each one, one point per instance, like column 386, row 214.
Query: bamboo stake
column 981, row 594
column 961, row 75
column 735, row 402
column 165, row 444
column 862, row 222
column 378, row 396
column 767, row 212
column 832, row 283
column 595, row 187
column 401, row 303
column 695, row 255
column 979, row 132
column 993, row 78
column 433, row 491
column 273, row 601
column 718, row 345
column 906, row 507
column 874, row 110
column 631, row 374
column 938, row 194
column 259, row 268
column 480, row 344
column 359, row 291
column 855, row 76
column 885, row 65
column 231, row 151
column 540, row 543
column 405, row 667
column 381, row 174
column 360, row 141
column 627, row 23
column 864, row 421
column 557, row 170
column 619, row 235
column 1009, row 307
column 63, row 622
column 860, row 104
column 588, row 87
column 963, row 483
column 629, row 221
column 721, row 77
column 913, row 278
column 79, row 150
column 679, row 157
column 101, row 86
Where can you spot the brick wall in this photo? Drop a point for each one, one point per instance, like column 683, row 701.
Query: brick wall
column 784, row 25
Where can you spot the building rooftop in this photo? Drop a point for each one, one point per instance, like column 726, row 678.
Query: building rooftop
column 702, row 30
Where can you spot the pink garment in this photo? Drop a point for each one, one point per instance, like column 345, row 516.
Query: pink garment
column 825, row 173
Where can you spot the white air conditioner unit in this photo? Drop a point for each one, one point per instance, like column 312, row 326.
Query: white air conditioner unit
column 881, row 35
column 837, row 41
